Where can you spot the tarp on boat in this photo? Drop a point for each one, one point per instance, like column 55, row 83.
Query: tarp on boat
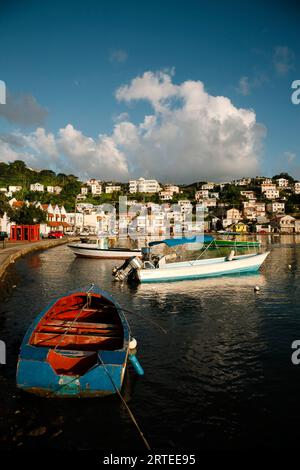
column 182, row 241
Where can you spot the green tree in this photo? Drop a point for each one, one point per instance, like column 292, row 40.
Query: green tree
column 28, row 215
column 4, row 206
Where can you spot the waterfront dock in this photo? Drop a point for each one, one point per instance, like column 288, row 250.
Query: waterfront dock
column 14, row 250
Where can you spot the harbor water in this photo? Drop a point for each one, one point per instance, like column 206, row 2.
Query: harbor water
column 221, row 378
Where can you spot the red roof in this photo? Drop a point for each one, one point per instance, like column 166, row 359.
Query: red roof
column 58, row 224
column 18, row 204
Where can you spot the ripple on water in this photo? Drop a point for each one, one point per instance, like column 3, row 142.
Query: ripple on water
column 223, row 367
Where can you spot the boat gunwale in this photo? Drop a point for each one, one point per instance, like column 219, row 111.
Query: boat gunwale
column 206, row 262
column 32, row 327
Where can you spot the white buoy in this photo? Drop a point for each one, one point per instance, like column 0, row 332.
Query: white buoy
column 132, row 343
column 256, row 288
column 290, row 266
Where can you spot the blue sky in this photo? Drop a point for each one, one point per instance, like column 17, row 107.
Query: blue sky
column 68, row 59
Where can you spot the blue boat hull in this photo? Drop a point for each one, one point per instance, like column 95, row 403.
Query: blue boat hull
column 35, row 373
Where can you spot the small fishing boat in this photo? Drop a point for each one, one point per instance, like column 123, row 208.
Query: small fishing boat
column 155, row 268
column 78, row 346
column 99, row 249
column 235, row 243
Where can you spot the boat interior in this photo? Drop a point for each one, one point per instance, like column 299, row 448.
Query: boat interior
column 80, row 322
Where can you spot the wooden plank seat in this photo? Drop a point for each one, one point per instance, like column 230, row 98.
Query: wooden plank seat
column 90, row 314
column 76, row 341
column 81, row 324
column 80, row 328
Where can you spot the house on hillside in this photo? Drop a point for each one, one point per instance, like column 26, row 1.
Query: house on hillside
column 283, row 224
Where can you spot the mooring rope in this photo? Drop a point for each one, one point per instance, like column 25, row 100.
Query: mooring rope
column 141, row 316
column 86, row 305
column 126, row 406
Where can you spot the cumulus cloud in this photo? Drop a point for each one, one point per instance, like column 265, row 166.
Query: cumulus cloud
column 23, row 109
column 156, row 88
column 69, row 151
column 283, row 60
column 243, row 87
column 189, row 135
column 246, row 85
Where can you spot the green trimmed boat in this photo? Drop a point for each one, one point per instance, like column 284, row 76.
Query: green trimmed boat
column 221, row 243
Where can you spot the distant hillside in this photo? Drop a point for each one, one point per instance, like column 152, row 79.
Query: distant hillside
column 17, row 173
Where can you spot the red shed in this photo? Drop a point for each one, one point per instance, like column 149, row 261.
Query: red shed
column 30, row 233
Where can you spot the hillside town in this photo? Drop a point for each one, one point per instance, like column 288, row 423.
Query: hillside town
column 246, row 205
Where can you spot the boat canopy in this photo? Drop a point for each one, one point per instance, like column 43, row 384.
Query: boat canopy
column 182, row 241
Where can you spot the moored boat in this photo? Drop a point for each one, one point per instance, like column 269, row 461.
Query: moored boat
column 78, row 346
column 97, row 249
column 157, row 269
column 233, row 243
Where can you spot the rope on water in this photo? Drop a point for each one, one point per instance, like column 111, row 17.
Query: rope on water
column 142, row 316
column 86, row 305
column 131, row 415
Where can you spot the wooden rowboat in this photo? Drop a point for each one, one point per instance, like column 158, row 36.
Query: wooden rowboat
column 77, row 346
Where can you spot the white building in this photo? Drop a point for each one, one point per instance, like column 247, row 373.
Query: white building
column 14, row 189
column 208, row 202
column 94, row 186
column 268, row 187
column 267, row 181
column 172, row 188
column 144, row 186
column 243, row 182
column 54, row 189
column 96, row 189
column 38, row 187
column 232, row 217
column 84, row 190
column 272, row 193
column 248, row 194
column 282, row 182
column 166, row 195
column 185, row 205
column 202, row 194
column 253, row 209
column 208, row 186
column 276, row 206
column 109, row 189
column 297, row 187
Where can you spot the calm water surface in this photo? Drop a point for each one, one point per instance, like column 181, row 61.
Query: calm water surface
column 221, row 378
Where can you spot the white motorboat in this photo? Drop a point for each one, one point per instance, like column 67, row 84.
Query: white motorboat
column 99, row 249
column 157, row 269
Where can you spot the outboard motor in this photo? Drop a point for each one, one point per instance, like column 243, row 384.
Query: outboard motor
column 127, row 269
column 146, row 250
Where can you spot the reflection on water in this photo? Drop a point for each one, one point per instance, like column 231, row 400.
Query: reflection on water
column 221, row 377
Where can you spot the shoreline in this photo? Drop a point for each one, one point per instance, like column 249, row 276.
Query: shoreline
column 11, row 253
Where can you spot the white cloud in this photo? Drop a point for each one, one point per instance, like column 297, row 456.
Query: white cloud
column 118, row 56
column 68, row 151
column 283, row 60
column 156, row 88
column 289, row 156
column 243, row 87
column 23, row 109
column 190, row 135
column 246, row 85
